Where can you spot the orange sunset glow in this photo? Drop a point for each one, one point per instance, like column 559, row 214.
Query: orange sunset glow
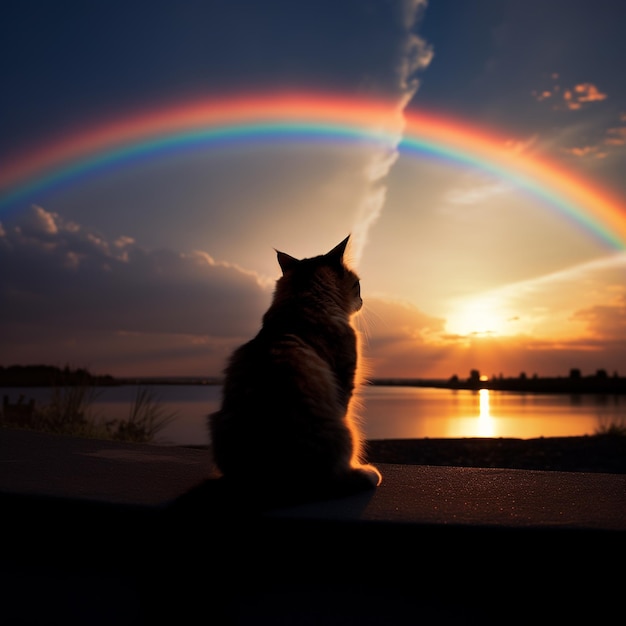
column 141, row 234
column 328, row 296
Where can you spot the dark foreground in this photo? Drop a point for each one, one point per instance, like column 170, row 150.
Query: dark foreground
column 99, row 532
column 598, row 453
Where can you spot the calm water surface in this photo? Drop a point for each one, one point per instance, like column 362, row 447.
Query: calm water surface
column 388, row 412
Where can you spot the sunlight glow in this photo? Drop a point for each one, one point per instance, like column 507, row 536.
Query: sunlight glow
column 479, row 316
column 486, row 423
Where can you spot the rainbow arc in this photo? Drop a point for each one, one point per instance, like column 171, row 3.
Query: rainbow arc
column 308, row 117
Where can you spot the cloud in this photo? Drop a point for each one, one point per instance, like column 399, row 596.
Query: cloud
column 413, row 54
column 72, row 283
column 589, row 151
column 40, row 221
column 609, row 141
column 589, row 138
column 569, row 98
column 404, row 342
column 578, row 96
column 111, row 305
column 588, row 92
column 551, row 305
column 400, row 339
column 616, row 136
column 606, row 321
column 476, row 194
column 543, row 95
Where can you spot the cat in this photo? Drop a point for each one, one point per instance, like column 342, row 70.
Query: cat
column 285, row 419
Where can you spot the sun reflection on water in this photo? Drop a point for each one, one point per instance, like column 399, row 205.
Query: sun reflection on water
column 486, row 423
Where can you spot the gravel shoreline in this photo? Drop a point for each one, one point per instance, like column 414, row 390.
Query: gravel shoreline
column 597, row 453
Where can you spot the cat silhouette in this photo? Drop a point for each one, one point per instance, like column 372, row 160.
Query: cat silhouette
column 286, row 425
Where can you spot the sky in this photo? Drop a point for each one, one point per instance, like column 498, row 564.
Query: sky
column 160, row 262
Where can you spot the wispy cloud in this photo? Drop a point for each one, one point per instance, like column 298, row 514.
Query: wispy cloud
column 570, row 98
column 616, row 135
column 399, row 86
column 588, row 151
column 606, row 321
column 580, row 95
column 568, row 302
column 476, row 194
column 113, row 305
column 589, row 138
column 609, row 141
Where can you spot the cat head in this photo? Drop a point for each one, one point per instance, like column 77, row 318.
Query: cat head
column 327, row 270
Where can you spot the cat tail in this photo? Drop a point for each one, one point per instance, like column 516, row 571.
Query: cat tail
column 367, row 475
column 226, row 496
column 357, row 479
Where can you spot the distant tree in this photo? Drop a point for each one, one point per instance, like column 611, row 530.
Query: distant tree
column 474, row 377
column 574, row 373
column 601, row 374
column 454, row 379
column 523, row 376
column 48, row 376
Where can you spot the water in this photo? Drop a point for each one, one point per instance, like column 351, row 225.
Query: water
column 387, row 412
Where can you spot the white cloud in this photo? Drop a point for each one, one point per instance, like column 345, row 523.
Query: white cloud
column 410, row 11
column 76, row 280
column 414, row 54
column 476, row 194
column 39, row 221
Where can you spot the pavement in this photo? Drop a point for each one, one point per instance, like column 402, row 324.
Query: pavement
column 154, row 476
column 93, row 534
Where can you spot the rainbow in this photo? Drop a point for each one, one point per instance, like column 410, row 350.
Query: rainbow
column 305, row 117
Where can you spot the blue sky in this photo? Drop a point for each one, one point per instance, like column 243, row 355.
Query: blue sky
column 164, row 266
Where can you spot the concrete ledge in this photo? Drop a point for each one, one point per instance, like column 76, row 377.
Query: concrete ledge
column 89, row 527
column 88, row 472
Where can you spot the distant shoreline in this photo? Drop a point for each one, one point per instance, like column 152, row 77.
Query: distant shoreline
column 574, row 384
column 548, row 385
column 559, row 385
column 566, row 385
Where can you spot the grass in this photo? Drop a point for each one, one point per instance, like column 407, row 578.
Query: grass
column 613, row 427
column 70, row 411
column 146, row 418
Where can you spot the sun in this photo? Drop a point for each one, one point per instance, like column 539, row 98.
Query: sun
column 482, row 316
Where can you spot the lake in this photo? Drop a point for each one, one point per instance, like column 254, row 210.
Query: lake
column 387, row 412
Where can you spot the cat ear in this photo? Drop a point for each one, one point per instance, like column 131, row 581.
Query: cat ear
column 285, row 261
column 337, row 252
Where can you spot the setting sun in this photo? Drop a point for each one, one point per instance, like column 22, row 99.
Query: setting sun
column 139, row 217
column 479, row 316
